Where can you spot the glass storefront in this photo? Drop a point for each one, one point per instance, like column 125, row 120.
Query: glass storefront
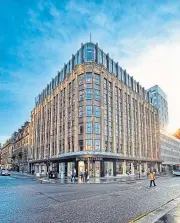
column 94, row 168
column 61, row 170
column 119, row 168
column 128, row 167
column 108, row 168
column 70, row 167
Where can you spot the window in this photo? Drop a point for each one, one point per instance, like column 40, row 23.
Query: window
column 81, row 78
column 96, row 79
column 81, row 95
column 89, row 93
column 89, row 52
column 89, row 127
column 97, row 128
column 97, row 111
column 89, row 144
column 88, row 77
column 80, row 145
column 89, row 110
column 97, row 94
column 97, row 145
column 81, row 129
column 81, row 111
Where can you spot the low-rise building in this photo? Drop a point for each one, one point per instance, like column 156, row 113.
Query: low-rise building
column 170, row 150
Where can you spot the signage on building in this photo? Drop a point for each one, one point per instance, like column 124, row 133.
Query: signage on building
column 88, row 158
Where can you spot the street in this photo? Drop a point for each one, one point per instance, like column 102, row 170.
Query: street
column 25, row 200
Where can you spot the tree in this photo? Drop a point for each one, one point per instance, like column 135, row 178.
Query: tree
column 177, row 133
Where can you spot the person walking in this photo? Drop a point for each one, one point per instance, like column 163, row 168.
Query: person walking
column 152, row 179
column 86, row 175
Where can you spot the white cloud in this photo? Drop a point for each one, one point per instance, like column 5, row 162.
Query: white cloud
column 159, row 64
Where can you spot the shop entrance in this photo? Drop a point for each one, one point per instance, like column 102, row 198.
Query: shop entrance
column 93, row 170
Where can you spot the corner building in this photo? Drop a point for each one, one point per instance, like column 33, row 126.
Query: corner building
column 94, row 116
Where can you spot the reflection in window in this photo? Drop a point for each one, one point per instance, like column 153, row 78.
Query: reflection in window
column 97, row 111
column 89, row 127
column 110, row 66
column 89, row 52
column 89, row 93
column 97, row 145
column 96, row 79
column 97, row 94
column 88, row 110
column 89, row 144
column 81, row 78
column 97, row 128
column 81, row 111
column 100, row 56
column 81, row 95
column 88, row 77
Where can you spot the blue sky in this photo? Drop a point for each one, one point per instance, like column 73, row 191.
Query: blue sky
column 38, row 37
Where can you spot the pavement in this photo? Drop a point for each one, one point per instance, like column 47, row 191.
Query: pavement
column 23, row 199
column 67, row 180
column 172, row 216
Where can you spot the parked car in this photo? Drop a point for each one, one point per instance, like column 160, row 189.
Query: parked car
column 5, row 172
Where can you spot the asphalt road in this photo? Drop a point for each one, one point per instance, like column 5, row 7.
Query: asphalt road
column 22, row 200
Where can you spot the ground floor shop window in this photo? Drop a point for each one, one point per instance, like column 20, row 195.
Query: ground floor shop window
column 119, row 168
column 108, row 168
column 61, row 170
column 70, row 167
column 128, row 167
column 94, row 170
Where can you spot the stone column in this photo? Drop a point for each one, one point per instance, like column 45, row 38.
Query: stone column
column 132, row 168
column 124, row 168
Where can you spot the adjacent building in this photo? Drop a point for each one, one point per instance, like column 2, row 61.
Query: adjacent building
column 94, row 116
column 170, row 150
column 6, row 155
column 21, row 148
column 159, row 100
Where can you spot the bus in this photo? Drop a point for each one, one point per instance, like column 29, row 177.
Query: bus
column 176, row 170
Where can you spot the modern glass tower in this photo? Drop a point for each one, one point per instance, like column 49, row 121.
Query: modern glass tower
column 159, row 99
column 94, row 116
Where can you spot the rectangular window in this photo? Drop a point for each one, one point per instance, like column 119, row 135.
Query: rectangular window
column 89, row 144
column 81, row 111
column 89, row 127
column 88, row 77
column 89, row 93
column 80, row 145
column 88, row 110
column 97, row 111
column 97, row 128
column 96, row 94
column 96, row 79
column 81, row 79
column 81, row 95
column 81, row 128
column 110, row 66
column 97, row 145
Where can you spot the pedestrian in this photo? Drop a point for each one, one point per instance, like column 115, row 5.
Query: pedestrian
column 152, row 179
column 82, row 175
column 86, row 174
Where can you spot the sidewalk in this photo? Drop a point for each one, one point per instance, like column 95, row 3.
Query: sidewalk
column 67, row 180
column 101, row 180
column 172, row 216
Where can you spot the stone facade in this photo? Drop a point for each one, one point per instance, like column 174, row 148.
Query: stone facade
column 94, row 121
column 6, row 154
column 21, row 146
